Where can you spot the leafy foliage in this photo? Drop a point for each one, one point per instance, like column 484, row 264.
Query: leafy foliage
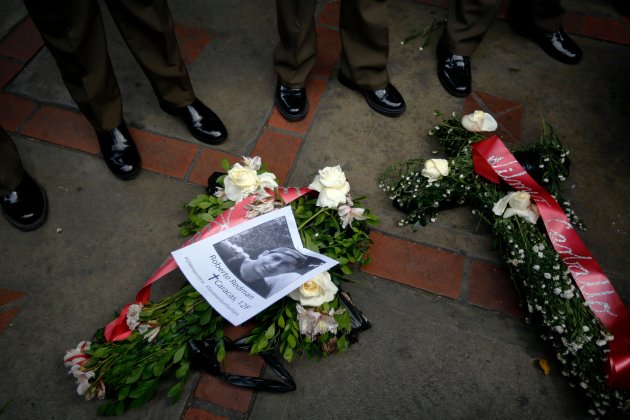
column 132, row 369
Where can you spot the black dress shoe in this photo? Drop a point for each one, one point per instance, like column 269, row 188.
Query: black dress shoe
column 26, row 208
column 119, row 152
column 202, row 122
column 292, row 103
column 453, row 72
column 387, row 101
column 556, row 44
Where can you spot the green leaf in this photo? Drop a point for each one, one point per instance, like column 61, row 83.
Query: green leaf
column 281, row 321
column 179, row 354
column 221, row 352
column 202, row 307
column 123, row 392
column 182, row 370
column 101, row 353
column 288, row 354
column 291, row 340
column 135, row 375
column 158, row 369
column 271, row 331
column 119, row 408
column 205, row 318
column 175, row 391
column 138, row 402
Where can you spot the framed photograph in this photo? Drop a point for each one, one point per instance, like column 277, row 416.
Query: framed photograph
column 244, row 269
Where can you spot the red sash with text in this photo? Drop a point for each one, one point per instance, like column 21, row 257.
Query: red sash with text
column 493, row 161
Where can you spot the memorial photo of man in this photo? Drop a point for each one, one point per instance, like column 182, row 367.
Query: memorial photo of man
column 269, row 272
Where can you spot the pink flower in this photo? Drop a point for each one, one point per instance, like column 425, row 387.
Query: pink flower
column 348, row 214
column 77, row 356
column 313, row 323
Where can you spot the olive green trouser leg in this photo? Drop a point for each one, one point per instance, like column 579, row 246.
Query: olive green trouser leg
column 364, row 34
column 295, row 55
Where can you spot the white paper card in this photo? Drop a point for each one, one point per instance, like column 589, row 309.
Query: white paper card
column 243, row 270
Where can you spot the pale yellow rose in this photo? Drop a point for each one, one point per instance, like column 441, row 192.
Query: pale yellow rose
column 519, row 203
column 479, row 121
column 240, row 182
column 332, row 187
column 435, row 169
column 317, row 291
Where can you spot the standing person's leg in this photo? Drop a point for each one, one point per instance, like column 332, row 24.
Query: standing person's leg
column 466, row 25
column 149, row 31
column 364, row 30
column 23, row 200
column 541, row 21
column 294, row 56
column 74, row 34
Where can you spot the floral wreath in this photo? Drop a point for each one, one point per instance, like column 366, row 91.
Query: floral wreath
column 555, row 302
column 317, row 319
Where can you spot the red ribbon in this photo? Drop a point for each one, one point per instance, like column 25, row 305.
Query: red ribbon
column 118, row 329
column 493, row 161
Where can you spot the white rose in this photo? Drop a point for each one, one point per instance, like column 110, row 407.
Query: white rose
column 332, row 187
column 530, row 214
column 267, row 180
column 435, row 169
column 318, row 290
column 520, row 200
column 519, row 205
column 500, row 206
column 240, row 182
column 479, row 121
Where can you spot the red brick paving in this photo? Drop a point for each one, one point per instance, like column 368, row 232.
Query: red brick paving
column 328, row 50
column 164, row 155
column 8, row 296
column 508, row 113
column 62, row 127
column 23, row 42
column 192, row 42
column 415, row 265
column 14, row 110
column 278, row 151
column 8, row 70
column 6, row 317
column 194, row 413
column 208, row 162
column 489, row 286
column 329, row 15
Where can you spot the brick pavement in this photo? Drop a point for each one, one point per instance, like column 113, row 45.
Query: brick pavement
column 467, row 279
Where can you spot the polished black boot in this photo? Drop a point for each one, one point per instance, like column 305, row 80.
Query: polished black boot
column 119, row 152
column 454, row 72
column 26, row 208
column 292, row 103
column 387, row 101
column 202, row 122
